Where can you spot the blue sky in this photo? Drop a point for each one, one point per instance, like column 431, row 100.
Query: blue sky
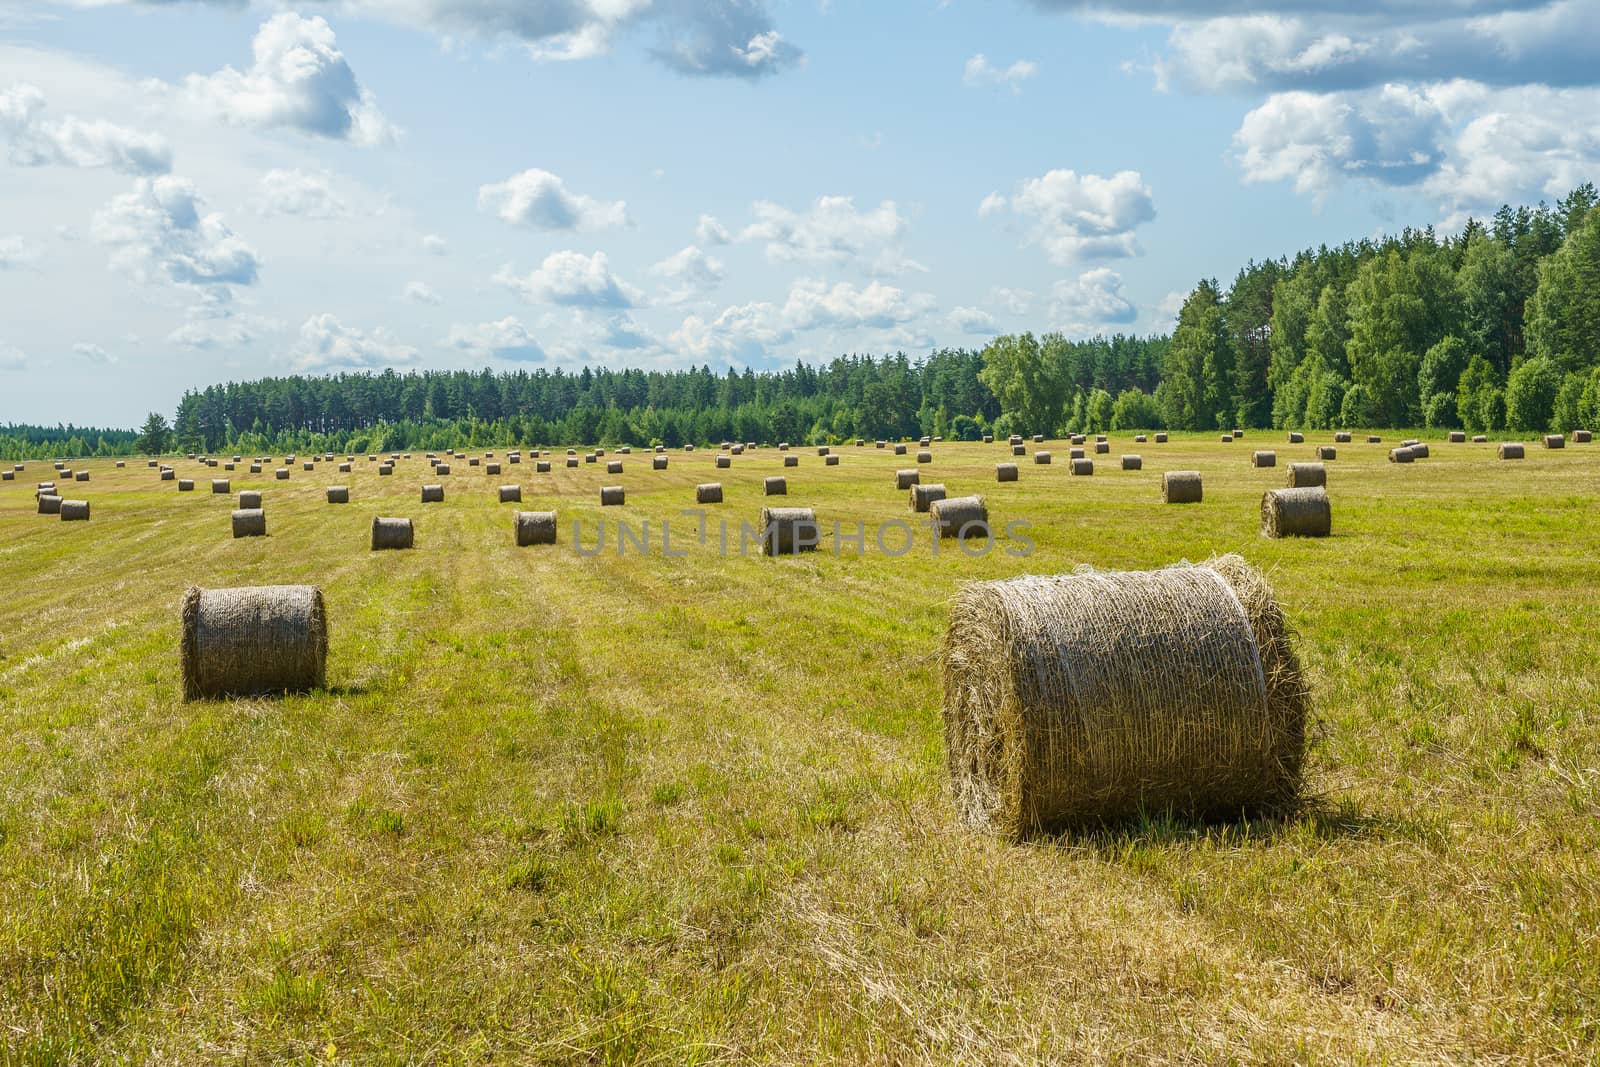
column 198, row 192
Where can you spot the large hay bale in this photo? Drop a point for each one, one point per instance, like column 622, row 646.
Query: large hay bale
column 1511, row 450
column 612, row 496
column 1458, row 437
column 250, row 498
column 1402, row 455
column 613, row 466
column 905, row 479
column 282, row 474
column 542, row 466
column 392, row 533
column 1074, row 699
column 74, row 511
column 83, row 476
column 1181, row 487
column 185, row 485
column 1083, row 467
column 658, row 463
column 1296, row 438
column 1327, row 452
column 789, row 531
column 491, row 468
column 924, row 495
column 49, row 504
column 1296, row 513
column 338, row 494
column 1263, row 459
column 1041, row 458
column 433, row 494
column 1132, row 463
column 249, row 522
column 1419, row 451
column 708, row 493
column 1581, row 437
column 774, row 486
column 791, row 461
column 1005, row 472
column 924, row 457
column 221, row 487
column 961, row 516
column 1307, row 475
column 511, row 494
column 254, row 641
column 534, row 528
column 1554, row 440
column 572, row 461
column 724, row 462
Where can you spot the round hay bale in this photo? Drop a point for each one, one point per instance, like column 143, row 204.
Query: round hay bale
column 1296, row 438
column 49, row 504
column 391, row 533
column 880, row 444
column 988, row 438
column 1014, row 439
column 612, row 496
column 185, row 485
column 542, row 466
column 1457, row 437
column 830, row 461
column 337, row 494
column 1041, row 458
column 724, row 462
column 1071, row 700
column 1511, row 450
column 1038, row 439
column 1419, row 451
column 907, row 478
column 961, row 516
column 899, row 450
column 255, row 468
column 226, row 466
column 572, row 461
column 74, row 511
column 1409, row 442
column 625, row 450
column 708, row 493
column 924, row 457
column 1238, row 435
column 1161, row 438
column 249, row 522
column 791, row 461
column 442, row 470
column 1341, row 438
column 688, row 448
column 433, row 494
column 1074, row 453
column 1296, row 513
column 1083, row 467
column 1327, row 452
column 572, row 451
column 386, row 470
column 511, row 494
column 1132, row 463
column 661, row 449
column 922, row 496
column 613, row 466
column 1019, row 450
column 774, row 486
column 1480, row 439
column 473, row 461
column 822, row 450
column 1140, row 439
column 736, row 450
column 123, row 463
column 344, row 468
column 1077, row 439
column 1263, row 459
column 860, row 442
column 924, row 442
column 1307, row 475
column 1102, row 448
column 515, row 457
column 1101, row 438
column 308, row 465
column 254, row 641
column 1181, row 487
column 221, row 487
column 1402, row 455
column 1374, row 439
column 1581, row 437
column 8, row 476
column 534, row 528
column 1227, row 438
column 789, row 531
column 1554, row 440
column 282, row 474
column 148, row 463
column 491, row 468
column 658, row 463
column 1005, row 472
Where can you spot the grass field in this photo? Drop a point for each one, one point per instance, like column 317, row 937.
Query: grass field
column 557, row 808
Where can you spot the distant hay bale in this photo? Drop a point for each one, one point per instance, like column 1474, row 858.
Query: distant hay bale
column 590, row 457
column 1238, row 435
column 511, row 494
column 612, row 496
column 1005, row 472
column 724, row 462
column 1480, row 439
column 1307, row 475
column 542, row 466
column 960, row 516
column 613, row 466
column 625, row 450
column 774, row 486
column 1073, row 700
column 49, row 504
column 1458, row 437
column 880, row 444
column 534, row 528
column 708, row 493
column 168, row 474
column 907, row 478
column 1327, row 452
column 1409, row 442
column 225, row 466
column 830, row 461
column 1102, row 448
column 924, row 442
column 344, row 468
column 221, row 487
column 1296, row 513
column 185, row 485
column 1402, row 455
column 515, row 457
column 789, row 531
column 433, row 494
column 1419, row 451
column 473, row 461
column 255, row 468
column 1296, row 438
column 1341, row 438
column 791, row 461
column 1581, row 437
column 282, row 474
column 822, row 450
column 391, row 533
column 1132, row 463
column 1083, row 467
column 1075, row 453
column 922, row 496
column 1181, row 487
column 249, row 522
column 308, row 465
column 74, row 511
column 83, row 476
column 1511, row 450
column 1038, row 438
column 1554, row 440
column 491, row 469
column 1227, row 438
column 899, row 449
column 660, row 449
column 386, row 470
column 1042, row 458
column 924, row 457
column 1140, row 439
column 736, row 450
column 1077, row 439
column 337, row 494
column 572, row 451
column 1161, row 438
column 1374, row 439
column 658, row 463
column 8, row 476
column 442, row 470
column 1263, row 459
column 988, row 438
column 121, row 464
column 253, row 641
column 148, row 463
column 1019, row 450
column 572, row 461
column 860, row 442
column 1101, row 438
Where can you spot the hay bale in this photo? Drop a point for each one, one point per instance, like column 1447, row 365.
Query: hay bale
column 1132, row 463
column 830, row 461
column 1511, row 450
column 1263, row 459
column 612, row 496
column 1181, row 487
column 1074, row 453
column 724, row 462
column 1419, row 451
column 1071, row 700
column 900, row 450
column 880, row 444
column 391, row 533
column 625, row 450
column 736, row 450
column 442, row 470
column 1083, row 467
column 1227, row 438
column 1296, row 513
column 922, row 496
column 148, row 463
column 8, row 476
column 708, row 493
column 961, row 516
column 511, row 494
column 1327, row 452
column 572, row 461
column 1101, row 438
column 823, row 450
column 344, row 468
column 1374, row 439
column 1038, row 438
column 688, row 448
column 1581, row 437
column 924, row 457
column 473, row 461
column 860, row 442
column 515, row 457
column 542, row 466
column 774, row 486
column 74, row 511
column 924, row 442
column 282, row 474
column 905, row 479
column 249, row 522
column 1458, row 437
column 1402, row 455
column 386, row 470
column 1019, row 450
column 1077, row 439
column 1409, row 442
column 658, row 463
column 988, row 438
column 308, row 465
column 789, row 531
column 433, row 494
column 1161, row 438
column 221, row 487
column 1296, row 438
column 1102, row 448
column 1238, row 435
column 254, row 641
column 1480, row 439
column 791, row 461
column 225, row 466
column 1140, row 439
column 1554, row 440
column 1041, row 459
column 491, row 468
column 1307, row 475
column 1341, row 437
column 255, row 468
column 337, row 494
column 185, row 485
column 1005, row 472
column 49, row 504
column 534, row 528
column 613, row 466
column 121, row 464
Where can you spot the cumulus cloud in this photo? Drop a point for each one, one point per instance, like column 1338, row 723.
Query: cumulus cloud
column 435, row 245
column 1090, row 302
column 708, row 231
column 980, row 73
column 35, row 139
column 16, row 253
column 1016, row 301
column 298, row 80
column 326, row 344
column 750, row 331
column 419, row 293
column 507, row 339
column 689, row 272
column 973, row 321
column 539, row 199
column 93, row 353
column 832, row 231
column 158, row 231
column 294, row 192
column 12, row 358
column 1075, row 217
column 741, row 333
column 572, row 279
column 213, row 328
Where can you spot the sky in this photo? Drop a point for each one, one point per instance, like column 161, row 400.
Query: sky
column 220, row 190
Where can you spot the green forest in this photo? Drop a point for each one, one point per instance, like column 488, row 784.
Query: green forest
column 1494, row 329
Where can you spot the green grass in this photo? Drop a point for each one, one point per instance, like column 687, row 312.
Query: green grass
column 602, row 810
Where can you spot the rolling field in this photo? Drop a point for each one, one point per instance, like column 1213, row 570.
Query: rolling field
column 596, row 809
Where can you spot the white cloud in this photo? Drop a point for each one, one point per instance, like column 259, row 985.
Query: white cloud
column 832, row 231
column 34, row 139
column 1090, row 302
column 1076, row 217
column 1016, row 301
column 980, row 73
column 221, row 329
column 327, row 344
column 507, row 339
column 813, row 303
column 419, row 293
column 298, row 79
column 1168, row 308
column 741, row 333
column 708, row 231
column 16, row 253
column 540, row 199
column 12, row 358
column 294, row 192
column 689, row 271
column 973, row 321
column 572, row 279
column 435, row 245
column 157, row 231
column 93, row 353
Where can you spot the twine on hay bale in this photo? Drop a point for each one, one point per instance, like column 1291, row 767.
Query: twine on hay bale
column 1402, row 454
column 922, row 496
column 392, row 533
column 1263, row 459
column 1554, row 440
column 249, row 522
column 1132, row 463
column 774, row 486
column 1083, row 467
column 1070, row 700
column 49, row 504
column 1296, row 513
column 338, row 494
column 1296, row 438
column 1041, row 459
column 960, row 516
column 907, row 478
column 708, row 493
column 1511, row 450
column 1307, row 475
column 1327, row 452
column 1181, row 487
column 789, row 531
column 221, row 487
column 613, row 466
column 612, row 495
column 249, row 642
column 534, row 528
column 791, row 461
column 1005, row 472
column 74, row 511
column 511, row 494
column 433, row 494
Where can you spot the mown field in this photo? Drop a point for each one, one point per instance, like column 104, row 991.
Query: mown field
column 571, row 809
